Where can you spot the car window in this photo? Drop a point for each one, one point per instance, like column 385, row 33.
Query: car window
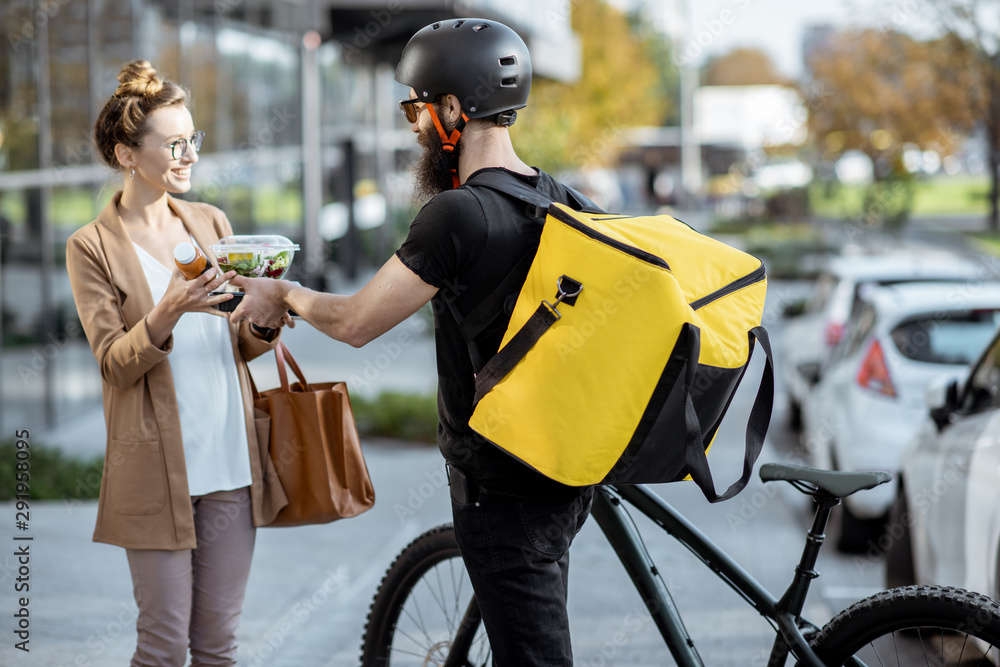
column 984, row 385
column 856, row 333
column 956, row 337
column 825, row 286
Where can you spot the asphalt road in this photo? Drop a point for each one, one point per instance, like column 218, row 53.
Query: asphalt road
column 310, row 587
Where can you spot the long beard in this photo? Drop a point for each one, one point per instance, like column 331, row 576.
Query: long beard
column 432, row 172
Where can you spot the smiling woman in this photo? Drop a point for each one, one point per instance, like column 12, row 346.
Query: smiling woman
column 185, row 480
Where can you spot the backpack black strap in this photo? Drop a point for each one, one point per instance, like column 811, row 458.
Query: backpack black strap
column 474, row 323
column 757, row 423
column 509, row 185
column 510, row 354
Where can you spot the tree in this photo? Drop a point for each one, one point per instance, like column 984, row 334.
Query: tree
column 578, row 125
column 974, row 31
column 878, row 91
column 741, row 67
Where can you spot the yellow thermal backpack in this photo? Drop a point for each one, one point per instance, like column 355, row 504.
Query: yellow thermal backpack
column 626, row 344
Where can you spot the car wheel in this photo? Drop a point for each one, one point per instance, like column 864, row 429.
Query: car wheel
column 899, row 568
column 857, row 535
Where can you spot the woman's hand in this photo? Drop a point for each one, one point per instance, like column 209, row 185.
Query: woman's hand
column 185, row 296
column 193, row 296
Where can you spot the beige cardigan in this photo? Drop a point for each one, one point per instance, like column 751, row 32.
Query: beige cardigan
column 144, row 501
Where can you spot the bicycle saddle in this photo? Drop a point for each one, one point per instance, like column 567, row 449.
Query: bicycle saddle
column 834, row 482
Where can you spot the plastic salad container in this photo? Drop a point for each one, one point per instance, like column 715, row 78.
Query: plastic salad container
column 255, row 256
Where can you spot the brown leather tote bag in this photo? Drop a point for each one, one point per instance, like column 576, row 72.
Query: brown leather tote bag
column 314, row 444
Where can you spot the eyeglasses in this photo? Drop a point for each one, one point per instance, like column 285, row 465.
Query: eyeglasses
column 411, row 110
column 179, row 147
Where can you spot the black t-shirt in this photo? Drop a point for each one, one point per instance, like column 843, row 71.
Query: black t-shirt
column 465, row 242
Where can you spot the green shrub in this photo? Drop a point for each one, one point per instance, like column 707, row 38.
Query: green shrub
column 397, row 415
column 54, row 476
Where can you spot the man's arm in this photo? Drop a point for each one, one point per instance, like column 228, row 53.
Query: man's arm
column 390, row 297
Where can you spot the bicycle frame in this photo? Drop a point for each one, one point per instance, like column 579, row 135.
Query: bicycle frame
column 627, row 543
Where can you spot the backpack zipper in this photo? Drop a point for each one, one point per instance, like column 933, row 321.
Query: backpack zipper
column 614, row 243
column 758, row 275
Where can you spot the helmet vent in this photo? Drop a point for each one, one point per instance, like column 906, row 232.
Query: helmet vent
column 458, row 24
column 508, row 61
column 435, row 26
column 481, row 26
column 509, row 82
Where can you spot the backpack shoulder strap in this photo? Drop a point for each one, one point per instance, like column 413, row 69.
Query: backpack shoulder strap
column 480, row 317
column 514, row 187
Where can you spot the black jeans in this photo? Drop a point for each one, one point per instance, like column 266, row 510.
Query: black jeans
column 516, row 550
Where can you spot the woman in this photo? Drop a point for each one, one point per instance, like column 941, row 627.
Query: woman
column 186, row 479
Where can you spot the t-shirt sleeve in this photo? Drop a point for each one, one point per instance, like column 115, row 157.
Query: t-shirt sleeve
column 445, row 237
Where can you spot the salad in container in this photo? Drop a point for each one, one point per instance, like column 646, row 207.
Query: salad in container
column 252, row 256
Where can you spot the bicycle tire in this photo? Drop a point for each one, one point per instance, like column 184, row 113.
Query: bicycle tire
column 938, row 624
column 419, row 606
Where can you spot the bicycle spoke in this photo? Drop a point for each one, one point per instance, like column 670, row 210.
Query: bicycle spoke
column 420, row 656
column 428, row 620
column 920, row 638
column 460, row 580
column 424, row 647
column 440, row 599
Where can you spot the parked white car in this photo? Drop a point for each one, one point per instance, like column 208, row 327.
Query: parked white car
column 811, row 335
column 944, row 526
column 870, row 399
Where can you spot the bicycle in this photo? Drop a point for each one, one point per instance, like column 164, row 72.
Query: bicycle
column 941, row 625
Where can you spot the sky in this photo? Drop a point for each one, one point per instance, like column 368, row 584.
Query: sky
column 776, row 26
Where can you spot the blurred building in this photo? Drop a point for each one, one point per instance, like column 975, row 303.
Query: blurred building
column 298, row 103
column 733, row 126
column 815, row 39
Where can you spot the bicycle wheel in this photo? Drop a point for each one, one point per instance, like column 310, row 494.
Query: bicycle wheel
column 915, row 625
column 424, row 607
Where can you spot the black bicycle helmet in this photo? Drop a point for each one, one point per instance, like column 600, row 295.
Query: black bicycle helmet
column 483, row 63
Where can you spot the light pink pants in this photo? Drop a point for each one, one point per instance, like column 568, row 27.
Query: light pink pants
column 194, row 598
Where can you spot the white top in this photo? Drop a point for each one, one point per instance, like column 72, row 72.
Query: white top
column 213, row 421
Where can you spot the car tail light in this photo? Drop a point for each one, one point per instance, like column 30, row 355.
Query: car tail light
column 833, row 333
column 874, row 373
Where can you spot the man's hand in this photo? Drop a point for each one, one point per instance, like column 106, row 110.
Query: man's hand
column 263, row 301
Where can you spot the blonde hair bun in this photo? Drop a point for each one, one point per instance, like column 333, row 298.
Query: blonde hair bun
column 138, row 79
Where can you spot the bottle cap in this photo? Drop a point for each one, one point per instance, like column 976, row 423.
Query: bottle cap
column 185, row 253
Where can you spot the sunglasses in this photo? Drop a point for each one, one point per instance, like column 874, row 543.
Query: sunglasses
column 410, row 109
